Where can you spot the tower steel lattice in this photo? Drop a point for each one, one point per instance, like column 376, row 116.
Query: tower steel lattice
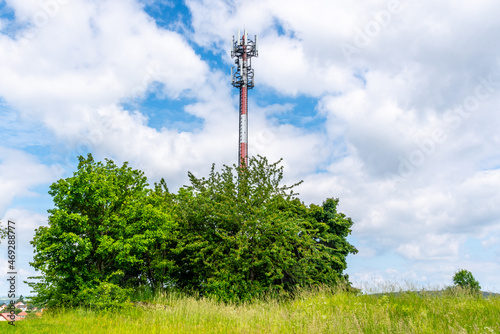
column 243, row 49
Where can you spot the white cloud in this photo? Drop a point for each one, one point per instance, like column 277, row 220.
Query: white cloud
column 19, row 173
column 92, row 54
column 286, row 68
column 25, row 223
column 490, row 242
column 431, row 247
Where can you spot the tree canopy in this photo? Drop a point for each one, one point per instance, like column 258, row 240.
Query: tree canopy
column 107, row 233
column 245, row 234
column 464, row 279
column 232, row 235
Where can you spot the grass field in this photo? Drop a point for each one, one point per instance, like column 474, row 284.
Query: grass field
column 321, row 311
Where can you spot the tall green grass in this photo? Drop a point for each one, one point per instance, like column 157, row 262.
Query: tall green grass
column 310, row 311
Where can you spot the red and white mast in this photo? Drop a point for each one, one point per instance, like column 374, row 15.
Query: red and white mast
column 243, row 50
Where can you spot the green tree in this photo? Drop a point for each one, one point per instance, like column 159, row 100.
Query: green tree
column 107, row 234
column 464, row 279
column 243, row 234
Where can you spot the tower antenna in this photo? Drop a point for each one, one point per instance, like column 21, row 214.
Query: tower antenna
column 243, row 50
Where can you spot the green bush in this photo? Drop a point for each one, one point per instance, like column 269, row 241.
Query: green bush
column 104, row 296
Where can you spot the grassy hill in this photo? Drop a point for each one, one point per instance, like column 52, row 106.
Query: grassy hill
column 321, row 311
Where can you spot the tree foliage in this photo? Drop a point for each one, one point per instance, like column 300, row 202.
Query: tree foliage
column 232, row 235
column 464, row 279
column 245, row 234
column 107, row 233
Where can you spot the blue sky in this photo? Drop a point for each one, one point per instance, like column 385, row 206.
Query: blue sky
column 391, row 106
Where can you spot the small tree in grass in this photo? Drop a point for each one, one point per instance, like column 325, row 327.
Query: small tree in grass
column 464, row 279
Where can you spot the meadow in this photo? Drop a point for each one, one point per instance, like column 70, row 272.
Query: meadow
column 310, row 311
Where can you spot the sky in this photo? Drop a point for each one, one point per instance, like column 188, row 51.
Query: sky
column 389, row 105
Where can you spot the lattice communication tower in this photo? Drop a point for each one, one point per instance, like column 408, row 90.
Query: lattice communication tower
column 243, row 49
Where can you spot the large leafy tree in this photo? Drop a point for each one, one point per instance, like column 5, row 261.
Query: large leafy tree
column 243, row 234
column 107, row 233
